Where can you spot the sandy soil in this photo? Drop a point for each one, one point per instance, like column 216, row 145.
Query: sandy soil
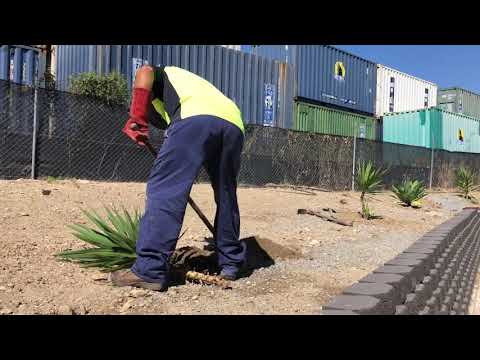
column 33, row 229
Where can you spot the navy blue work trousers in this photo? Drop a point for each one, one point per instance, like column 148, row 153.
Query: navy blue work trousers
column 189, row 144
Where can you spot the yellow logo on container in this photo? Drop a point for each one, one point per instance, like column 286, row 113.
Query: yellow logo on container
column 461, row 135
column 339, row 70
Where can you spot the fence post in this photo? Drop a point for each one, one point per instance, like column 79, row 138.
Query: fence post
column 431, row 162
column 34, row 135
column 353, row 160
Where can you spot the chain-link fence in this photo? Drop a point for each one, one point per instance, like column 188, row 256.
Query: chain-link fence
column 60, row 134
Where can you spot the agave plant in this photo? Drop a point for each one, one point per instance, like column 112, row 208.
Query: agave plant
column 465, row 182
column 114, row 241
column 368, row 181
column 410, row 192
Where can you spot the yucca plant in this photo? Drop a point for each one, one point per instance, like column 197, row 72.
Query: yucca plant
column 410, row 192
column 369, row 182
column 114, row 241
column 465, row 182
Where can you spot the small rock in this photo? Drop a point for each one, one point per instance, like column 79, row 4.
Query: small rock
column 10, row 285
column 314, row 242
column 46, row 192
column 126, row 306
column 65, row 310
column 6, row 311
column 99, row 277
column 3, row 288
column 248, row 283
column 195, row 297
column 22, row 310
column 81, row 310
column 343, row 201
column 24, row 214
column 138, row 293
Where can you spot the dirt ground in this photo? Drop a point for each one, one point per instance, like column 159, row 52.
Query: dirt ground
column 33, row 229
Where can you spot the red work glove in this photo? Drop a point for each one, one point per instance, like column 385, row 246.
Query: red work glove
column 136, row 127
column 136, row 131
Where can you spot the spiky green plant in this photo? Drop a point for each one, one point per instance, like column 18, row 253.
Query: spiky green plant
column 369, row 182
column 114, row 241
column 465, row 182
column 410, row 192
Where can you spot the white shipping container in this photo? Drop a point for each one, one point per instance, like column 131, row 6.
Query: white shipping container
column 398, row 92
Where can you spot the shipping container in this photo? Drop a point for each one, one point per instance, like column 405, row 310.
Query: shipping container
column 21, row 64
column 399, row 92
column 262, row 88
column 460, row 101
column 327, row 75
column 435, row 128
column 320, row 119
column 233, row 47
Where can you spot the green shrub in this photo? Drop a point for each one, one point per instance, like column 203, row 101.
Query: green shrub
column 111, row 88
column 368, row 181
column 410, row 192
column 114, row 240
column 465, row 182
column 113, row 237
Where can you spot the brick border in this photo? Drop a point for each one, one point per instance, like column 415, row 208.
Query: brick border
column 434, row 276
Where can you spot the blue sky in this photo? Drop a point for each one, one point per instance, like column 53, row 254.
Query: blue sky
column 446, row 65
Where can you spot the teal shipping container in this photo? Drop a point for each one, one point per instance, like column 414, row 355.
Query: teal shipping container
column 435, row 128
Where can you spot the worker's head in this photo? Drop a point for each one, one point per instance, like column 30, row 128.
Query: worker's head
column 144, row 77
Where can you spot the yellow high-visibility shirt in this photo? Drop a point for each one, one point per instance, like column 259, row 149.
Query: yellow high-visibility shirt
column 180, row 94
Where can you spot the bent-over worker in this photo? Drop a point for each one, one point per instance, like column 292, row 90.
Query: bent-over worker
column 203, row 127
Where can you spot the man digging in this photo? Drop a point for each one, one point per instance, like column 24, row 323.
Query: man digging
column 203, row 127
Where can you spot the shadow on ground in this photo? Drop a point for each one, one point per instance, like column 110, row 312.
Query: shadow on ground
column 261, row 253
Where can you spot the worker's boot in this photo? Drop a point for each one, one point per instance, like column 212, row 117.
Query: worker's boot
column 230, row 276
column 128, row 278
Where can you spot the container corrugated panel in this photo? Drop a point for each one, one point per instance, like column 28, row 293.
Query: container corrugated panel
column 399, row 92
column 435, row 128
column 275, row 52
column 246, row 79
column 460, row 101
column 327, row 75
column 21, row 64
column 233, row 47
column 320, row 119
column 452, row 125
column 409, row 128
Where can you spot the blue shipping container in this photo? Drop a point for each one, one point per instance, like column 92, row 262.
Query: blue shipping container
column 242, row 77
column 326, row 74
column 21, row 64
